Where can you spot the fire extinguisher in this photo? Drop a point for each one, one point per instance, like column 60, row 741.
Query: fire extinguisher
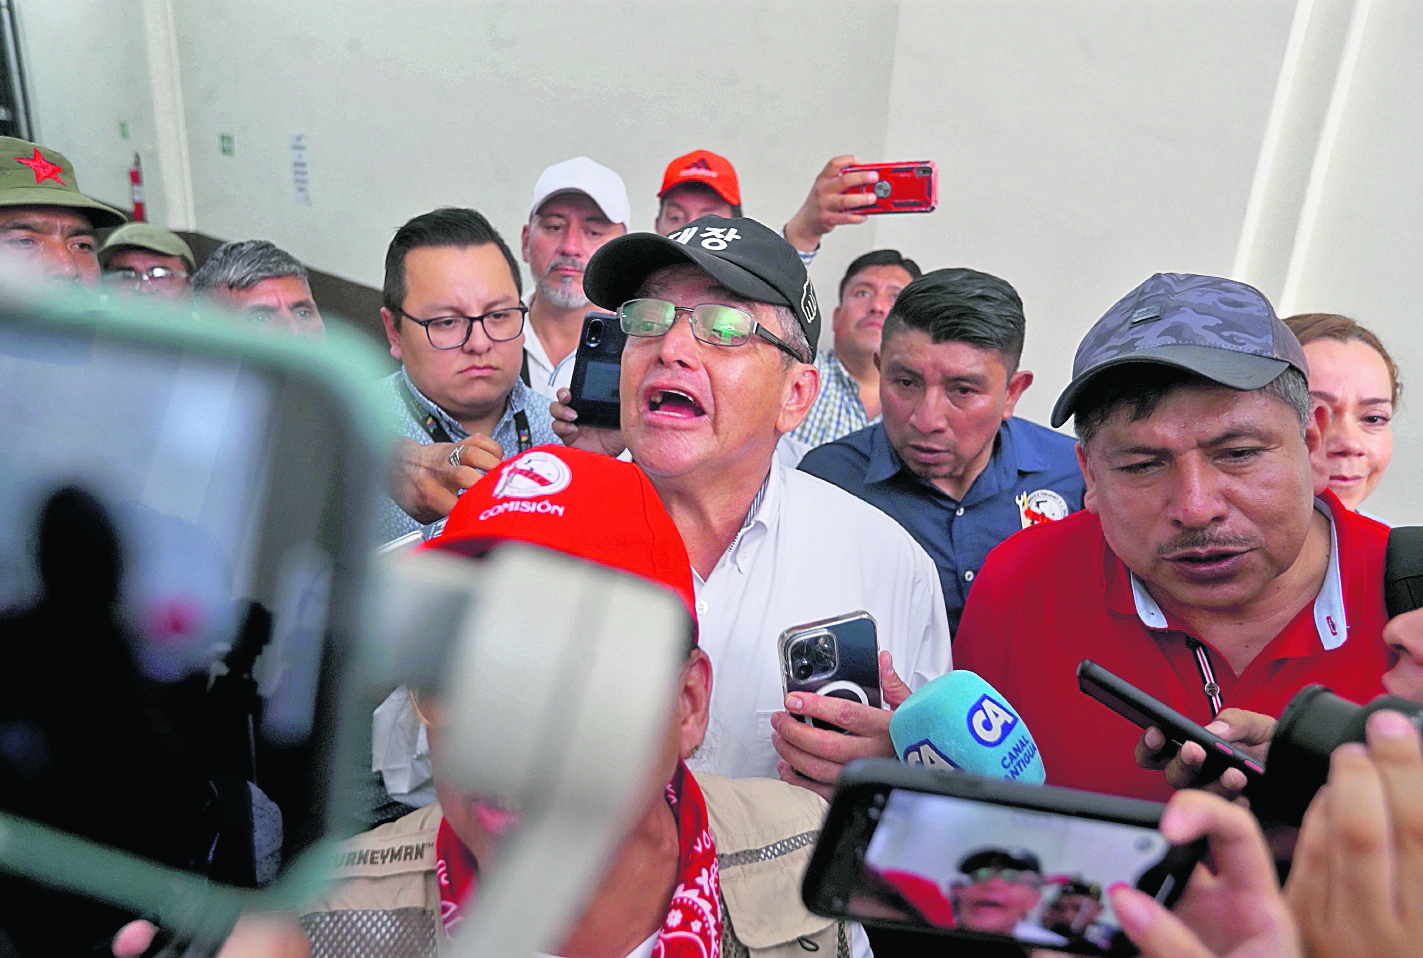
column 135, row 178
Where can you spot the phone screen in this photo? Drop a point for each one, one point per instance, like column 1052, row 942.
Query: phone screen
column 600, row 381
column 1036, row 877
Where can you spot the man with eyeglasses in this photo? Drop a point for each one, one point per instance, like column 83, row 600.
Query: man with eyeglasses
column 999, row 889
column 142, row 259
column 721, row 318
column 46, row 225
column 455, row 321
column 262, row 284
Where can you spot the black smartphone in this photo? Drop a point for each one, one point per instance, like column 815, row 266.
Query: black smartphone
column 838, row 657
column 1135, row 705
column 940, row 850
column 596, row 370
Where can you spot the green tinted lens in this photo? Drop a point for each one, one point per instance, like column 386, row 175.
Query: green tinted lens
column 721, row 325
column 646, row 317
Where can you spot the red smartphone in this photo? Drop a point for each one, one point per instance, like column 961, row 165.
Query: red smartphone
column 911, row 187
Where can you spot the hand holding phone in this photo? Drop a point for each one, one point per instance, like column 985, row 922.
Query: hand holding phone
column 910, row 187
column 1146, row 712
column 836, row 657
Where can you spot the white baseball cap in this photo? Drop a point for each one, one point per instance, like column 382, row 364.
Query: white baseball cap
column 582, row 175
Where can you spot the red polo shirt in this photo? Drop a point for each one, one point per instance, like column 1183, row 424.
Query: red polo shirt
column 1055, row 594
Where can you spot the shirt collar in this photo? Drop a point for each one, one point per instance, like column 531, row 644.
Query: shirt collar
column 1330, row 621
column 452, row 426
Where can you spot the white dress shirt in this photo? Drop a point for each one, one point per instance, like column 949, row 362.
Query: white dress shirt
column 808, row 551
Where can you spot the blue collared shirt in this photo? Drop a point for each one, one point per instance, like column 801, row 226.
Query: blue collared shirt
column 1032, row 477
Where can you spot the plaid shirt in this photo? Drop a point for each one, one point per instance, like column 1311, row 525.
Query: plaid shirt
column 837, row 410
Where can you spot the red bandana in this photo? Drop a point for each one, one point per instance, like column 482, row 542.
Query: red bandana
column 693, row 925
column 456, row 874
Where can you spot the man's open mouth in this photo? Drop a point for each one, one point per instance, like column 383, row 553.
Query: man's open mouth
column 674, row 403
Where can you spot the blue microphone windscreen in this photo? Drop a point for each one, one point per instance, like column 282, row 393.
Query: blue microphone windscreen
column 961, row 721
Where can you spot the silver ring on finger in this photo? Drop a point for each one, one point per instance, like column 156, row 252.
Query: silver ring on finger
column 455, row 456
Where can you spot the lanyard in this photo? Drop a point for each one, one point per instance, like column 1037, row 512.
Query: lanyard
column 438, row 433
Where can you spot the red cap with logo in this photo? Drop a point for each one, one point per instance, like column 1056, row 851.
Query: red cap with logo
column 703, row 166
column 583, row 504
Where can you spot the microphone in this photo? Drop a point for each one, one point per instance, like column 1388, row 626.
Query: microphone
column 960, row 721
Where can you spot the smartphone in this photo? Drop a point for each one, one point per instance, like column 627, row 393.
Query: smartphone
column 911, row 187
column 837, row 657
column 596, row 370
column 940, row 850
column 1135, row 705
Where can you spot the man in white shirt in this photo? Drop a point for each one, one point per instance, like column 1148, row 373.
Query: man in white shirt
column 578, row 206
column 704, row 404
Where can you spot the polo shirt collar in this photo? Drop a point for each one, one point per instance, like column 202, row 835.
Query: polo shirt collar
column 1010, row 460
column 1330, row 621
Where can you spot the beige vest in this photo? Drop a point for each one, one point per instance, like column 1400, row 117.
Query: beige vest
column 384, row 902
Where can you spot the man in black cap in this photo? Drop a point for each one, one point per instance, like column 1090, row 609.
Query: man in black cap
column 1000, row 888
column 1202, row 569
column 722, row 319
column 46, row 225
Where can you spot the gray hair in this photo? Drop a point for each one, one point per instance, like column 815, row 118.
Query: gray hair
column 1140, row 387
column 791, row 333
column 244, row 265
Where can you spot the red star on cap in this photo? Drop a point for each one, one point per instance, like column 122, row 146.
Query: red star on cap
column 44, row 169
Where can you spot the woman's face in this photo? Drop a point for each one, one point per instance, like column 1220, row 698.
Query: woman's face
column 1353, row 398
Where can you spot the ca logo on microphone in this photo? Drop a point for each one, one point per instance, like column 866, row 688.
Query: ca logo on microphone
column 989, row 721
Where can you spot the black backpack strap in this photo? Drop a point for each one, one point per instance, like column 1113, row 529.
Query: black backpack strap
column 524, row 371
column 1403, row 570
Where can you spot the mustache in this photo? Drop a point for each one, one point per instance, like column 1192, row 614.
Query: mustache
column 1202, row 540
column 572, row 262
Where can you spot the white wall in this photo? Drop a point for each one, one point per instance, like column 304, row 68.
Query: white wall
column 1082, row 144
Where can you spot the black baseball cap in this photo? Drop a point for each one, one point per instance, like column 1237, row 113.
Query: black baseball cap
column 739, row 253
column 1018, row 858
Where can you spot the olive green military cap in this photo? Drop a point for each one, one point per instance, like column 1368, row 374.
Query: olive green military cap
column 32, row 175
column 146, row 236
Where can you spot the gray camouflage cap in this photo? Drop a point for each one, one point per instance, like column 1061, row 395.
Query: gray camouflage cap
column 1217, row 328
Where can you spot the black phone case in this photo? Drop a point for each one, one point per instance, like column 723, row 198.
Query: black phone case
column 595, row 372
column 857, row 660
column 853, row 816
column 1144, row 711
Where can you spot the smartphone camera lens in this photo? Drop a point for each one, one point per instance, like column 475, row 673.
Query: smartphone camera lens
column 925, row 171
column 595, row 332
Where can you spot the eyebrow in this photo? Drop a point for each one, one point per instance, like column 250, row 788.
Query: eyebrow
column 40, row 226
column 1327, row 396
column 1230, row 435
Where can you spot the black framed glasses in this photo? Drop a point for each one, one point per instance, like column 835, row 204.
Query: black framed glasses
column 158, row 275
column 452, row 332
column 987, row 873
column 712, row 323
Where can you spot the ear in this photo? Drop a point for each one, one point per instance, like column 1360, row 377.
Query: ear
column 694, row 701
column 1089, row 497
column 524, row 242
column 1314, row 429
column 392, row 332
column 800, row 396
column 1018, row 383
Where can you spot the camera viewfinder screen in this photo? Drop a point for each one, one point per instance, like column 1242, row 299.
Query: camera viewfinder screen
column 600, row 381
column 1037, row 877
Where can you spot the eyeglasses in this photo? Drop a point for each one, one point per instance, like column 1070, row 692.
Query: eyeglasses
column 156, row 274
column 712, row 323
column 452, row 332
column 979, row 875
